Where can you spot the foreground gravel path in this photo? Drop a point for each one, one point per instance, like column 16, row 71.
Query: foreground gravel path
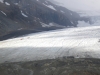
column 60, row 66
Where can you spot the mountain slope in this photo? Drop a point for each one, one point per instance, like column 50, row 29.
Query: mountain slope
column 34, row 15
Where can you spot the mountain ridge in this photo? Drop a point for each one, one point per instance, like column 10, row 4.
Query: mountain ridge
column 36, row 15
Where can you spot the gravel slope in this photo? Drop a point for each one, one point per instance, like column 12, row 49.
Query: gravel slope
column 58, row 66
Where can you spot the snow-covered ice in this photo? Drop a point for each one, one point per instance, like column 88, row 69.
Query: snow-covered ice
column 80, row 42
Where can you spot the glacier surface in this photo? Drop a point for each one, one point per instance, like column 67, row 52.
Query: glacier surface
column 81, row 42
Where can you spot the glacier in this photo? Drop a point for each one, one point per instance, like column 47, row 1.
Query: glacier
column 80, row 42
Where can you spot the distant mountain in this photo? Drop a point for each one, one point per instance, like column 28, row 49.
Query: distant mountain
column 25, row 16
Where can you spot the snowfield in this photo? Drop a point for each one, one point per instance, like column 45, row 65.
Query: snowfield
column 81, row 42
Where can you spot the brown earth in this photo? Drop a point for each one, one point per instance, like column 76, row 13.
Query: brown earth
column 60, row 66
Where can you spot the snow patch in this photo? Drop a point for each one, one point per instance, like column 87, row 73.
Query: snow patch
column 44, row 25
column 72, row 22
column 20, row 28
column 23, row 14
column 51, row 7
column 51, row 25
column 4, row 13
column 1, row 1
column 62, row 11
column 7, row 3
column 16, row 3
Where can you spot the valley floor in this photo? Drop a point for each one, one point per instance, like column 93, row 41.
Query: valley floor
column 81, row 42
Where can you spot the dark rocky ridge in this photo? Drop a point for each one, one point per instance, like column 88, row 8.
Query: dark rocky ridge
column 29, row 14
column 61, row 66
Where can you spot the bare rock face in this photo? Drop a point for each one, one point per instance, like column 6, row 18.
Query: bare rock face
column 33, row 16
column 62, row 66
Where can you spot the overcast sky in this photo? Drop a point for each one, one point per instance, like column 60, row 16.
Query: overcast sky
column 81, row 4
column 89, row 6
